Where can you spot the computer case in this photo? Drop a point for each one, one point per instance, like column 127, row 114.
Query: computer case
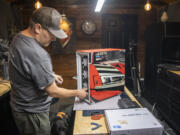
column 102, row 71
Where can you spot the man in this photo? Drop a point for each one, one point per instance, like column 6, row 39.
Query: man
column 32, row 78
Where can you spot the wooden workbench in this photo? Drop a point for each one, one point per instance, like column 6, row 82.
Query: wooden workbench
column 82, row 124
column 175, row 72
column 4, row 87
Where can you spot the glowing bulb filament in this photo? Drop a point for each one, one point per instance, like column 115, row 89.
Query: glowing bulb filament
column 38, row 5
column 147, row 7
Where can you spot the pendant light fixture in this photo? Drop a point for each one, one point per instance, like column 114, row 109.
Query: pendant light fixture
column 66, row 26
column 164, row 16
column 38, row 4
column 147, row 6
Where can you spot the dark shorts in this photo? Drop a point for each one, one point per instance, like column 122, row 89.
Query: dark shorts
column 32, row 123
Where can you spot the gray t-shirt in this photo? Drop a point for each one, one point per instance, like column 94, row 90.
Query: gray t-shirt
column 30, row 71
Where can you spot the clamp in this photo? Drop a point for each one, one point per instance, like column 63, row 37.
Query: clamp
column 96, row 125
column 96, row 115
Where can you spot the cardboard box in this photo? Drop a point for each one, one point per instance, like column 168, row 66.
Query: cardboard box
column 136, row 121
column 102, row 71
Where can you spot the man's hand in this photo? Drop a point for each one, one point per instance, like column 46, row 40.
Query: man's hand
column 54, row 91
column 58, row 79
column 82, row 93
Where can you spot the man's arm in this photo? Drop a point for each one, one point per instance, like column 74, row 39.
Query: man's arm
column 58, row 79
column 54, row 91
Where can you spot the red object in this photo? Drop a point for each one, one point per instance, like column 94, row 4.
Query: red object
column 106, row 72
column 96, row 116
column 101, row 95
column 94, row 78
column 99, row 50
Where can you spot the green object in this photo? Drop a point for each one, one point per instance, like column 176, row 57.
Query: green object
column 32, row 123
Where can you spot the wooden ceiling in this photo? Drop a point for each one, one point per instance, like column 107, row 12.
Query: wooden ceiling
column 112, row 1
column 93, row 2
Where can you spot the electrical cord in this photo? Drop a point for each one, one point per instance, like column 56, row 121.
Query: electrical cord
column 153, row 107
column 167, row 130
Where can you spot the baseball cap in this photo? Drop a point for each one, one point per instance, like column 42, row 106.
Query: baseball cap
column 49, row 18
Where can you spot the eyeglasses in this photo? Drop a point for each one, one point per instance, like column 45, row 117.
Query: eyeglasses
column 48, row 31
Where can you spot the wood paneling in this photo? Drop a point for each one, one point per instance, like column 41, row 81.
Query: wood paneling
column 65, row 63
column 83, row 12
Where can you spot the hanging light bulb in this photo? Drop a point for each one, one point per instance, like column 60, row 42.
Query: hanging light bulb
column 164, row 16
column 38, row 4
column 147, row 6
column 64, row 23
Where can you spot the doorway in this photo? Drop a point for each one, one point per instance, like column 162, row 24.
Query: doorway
column 118, row 30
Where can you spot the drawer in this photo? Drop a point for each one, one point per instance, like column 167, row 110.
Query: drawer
column 164, row 105
column 175, row 98
column 176, row 84
column 163, row 88
column 165, row 77
column 175, row 113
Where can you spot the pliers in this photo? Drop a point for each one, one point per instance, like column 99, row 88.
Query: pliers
column 96, row 125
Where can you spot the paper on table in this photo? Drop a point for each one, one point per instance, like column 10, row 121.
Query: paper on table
column 111, row 103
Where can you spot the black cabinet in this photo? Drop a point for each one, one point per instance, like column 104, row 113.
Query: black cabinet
column 168, row 97
column 162, row 46
column 7, row 124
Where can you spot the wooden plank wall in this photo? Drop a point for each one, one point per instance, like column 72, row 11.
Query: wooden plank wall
column 65, row 64
column 82, row 41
